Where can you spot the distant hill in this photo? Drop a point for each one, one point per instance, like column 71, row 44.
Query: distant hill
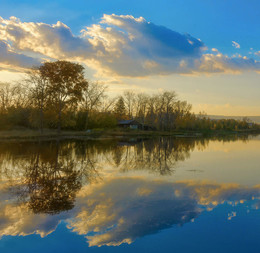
column 255, row 119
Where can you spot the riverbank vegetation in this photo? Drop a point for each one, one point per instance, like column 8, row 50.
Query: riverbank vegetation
column 57, row 96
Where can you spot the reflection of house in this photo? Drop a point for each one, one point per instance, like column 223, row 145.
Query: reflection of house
column 130, row 142
column 132, row 124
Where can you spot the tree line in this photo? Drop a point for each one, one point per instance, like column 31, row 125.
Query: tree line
column 57, row 95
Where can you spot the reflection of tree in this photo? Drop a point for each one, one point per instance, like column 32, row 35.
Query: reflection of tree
column 117, row 155
column 52, row 188
column 156, row 155
column 49, row 183
column 48, row 175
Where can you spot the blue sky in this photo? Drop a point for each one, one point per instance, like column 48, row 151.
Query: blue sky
column 224, row 80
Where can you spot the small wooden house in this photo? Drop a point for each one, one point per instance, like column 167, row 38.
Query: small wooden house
column 132, row 124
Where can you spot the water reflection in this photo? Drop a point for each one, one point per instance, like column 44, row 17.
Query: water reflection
column 124, row 209
column 121, row 210
column 158, row 156
column 87, row 184
column 35, row 161
column 51, row 187
column 49, row 184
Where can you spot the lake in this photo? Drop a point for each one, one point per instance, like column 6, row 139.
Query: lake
column 131, row 195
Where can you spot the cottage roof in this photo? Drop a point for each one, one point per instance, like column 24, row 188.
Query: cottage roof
column 128, row 122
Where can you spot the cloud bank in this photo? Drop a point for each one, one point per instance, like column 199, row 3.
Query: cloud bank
column 15, row 61
column 117, row 46
column 120, row 210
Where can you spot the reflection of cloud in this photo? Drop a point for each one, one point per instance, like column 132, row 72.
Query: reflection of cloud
column 17, row 220
column 121, row 210
column 125, row 209
column 121, row 45
column 232, row 215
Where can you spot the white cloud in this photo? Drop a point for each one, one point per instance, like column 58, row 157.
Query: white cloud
column 211, row 63
column 235, row 44
column 118, row 46
column 127, row 46
column 16, row 61
column 55, row 41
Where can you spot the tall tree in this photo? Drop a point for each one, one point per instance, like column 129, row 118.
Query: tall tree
column 141, row 106
column 165, row 109
column 119, row 109
column 93, row 97
column 66, row 83
column 129, row 99
column 38, row 93
column 5, row 97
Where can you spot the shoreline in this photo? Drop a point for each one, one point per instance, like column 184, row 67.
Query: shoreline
column 48, row 135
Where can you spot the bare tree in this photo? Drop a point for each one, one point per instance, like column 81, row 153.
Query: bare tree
column 141, row 106
column 13, row 95
column 129, row 99
column 5, row 97
column 93, row 97
column 165, row 107
column 108, row 104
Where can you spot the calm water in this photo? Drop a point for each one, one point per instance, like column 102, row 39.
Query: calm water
column 160, row 195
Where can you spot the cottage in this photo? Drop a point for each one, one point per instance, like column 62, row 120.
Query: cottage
column 132, row 124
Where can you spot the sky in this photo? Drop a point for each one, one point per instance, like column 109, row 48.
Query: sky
column 208, row 51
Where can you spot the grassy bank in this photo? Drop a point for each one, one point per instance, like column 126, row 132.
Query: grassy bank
column 29, row 134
